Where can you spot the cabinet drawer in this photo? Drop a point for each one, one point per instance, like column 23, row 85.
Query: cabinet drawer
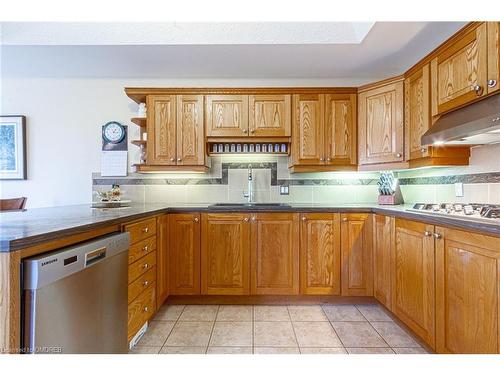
column 141, row 310
column 140, row 249
column 141, row 230
column 140, row 267
column 140, row 284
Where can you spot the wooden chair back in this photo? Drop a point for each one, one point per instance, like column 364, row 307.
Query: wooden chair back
column 13, row 204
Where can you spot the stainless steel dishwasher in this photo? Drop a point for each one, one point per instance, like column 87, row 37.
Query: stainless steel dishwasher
column 75, row 299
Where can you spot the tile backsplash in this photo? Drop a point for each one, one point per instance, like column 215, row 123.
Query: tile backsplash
column 227, row 179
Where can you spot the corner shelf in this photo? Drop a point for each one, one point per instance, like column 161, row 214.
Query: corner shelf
column 140, row 121
column 139, row 143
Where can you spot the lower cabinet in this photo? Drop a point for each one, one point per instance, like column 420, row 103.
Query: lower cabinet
column 413, row 285
column 225, row 253
column 184, row 248
column 275, row 253
column 356, row 254
column 467, row 292
column 162, row 261
column 320, row 253
column 383, row 243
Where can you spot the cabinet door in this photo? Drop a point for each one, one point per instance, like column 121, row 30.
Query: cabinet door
column 383, row 243
column 161, row 129
column 467, row 292
column 320, row 254
column 308, row 120
column 269, row 115
column 459, row 73
column 381, row 124
column 413, row 277
column 190, row 135
column 275, row 253
column 340, row 129
column 225, row 254
column 493, row 56
column 356, row 255
column 417, row 112
column 184, row 240
column 226, row 115
column 162, row 261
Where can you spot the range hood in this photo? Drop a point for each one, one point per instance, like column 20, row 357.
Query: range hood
column 478, row 123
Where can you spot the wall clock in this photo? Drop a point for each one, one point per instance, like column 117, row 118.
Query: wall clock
column 113, row 132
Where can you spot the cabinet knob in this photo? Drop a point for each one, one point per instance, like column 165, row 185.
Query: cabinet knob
column 252, row 131
column 427, row 233
column 145, row 266
column 437, row 236
column 145, row 283
column 254, row 218
column 478, row 89
column 245, row 219
column 304, row 218
column 145, row 309
column 244, row 131
column 492, row 82
column 145, row 230
column 328, row 160
column 179, row 160
column 145, row 248
column 344, row 219
column 321, row 159
column 172, row 159
column 398, row 155
column 196, row 219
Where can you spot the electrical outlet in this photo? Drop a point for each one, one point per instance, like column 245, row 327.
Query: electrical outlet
column 284, row 190
column 459, row 189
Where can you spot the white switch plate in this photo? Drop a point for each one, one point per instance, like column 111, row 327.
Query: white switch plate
column 284, row 190
column 459, row 189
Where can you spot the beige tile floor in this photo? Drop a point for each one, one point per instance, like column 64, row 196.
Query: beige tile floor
column 245, row 329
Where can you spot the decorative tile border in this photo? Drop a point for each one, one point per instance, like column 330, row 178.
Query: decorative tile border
column 140, row 179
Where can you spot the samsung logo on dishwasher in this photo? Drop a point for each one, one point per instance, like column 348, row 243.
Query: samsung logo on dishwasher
column 47, row 262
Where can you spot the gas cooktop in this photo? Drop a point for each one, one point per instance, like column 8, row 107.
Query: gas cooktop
column 481, row 212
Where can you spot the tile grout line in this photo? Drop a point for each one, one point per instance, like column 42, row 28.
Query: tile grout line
column 175, row 323
column 212, row 331
column 334, row 330
column 253, row 329
column 293, row 328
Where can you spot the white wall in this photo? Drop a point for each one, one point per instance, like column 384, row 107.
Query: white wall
column 64, row 119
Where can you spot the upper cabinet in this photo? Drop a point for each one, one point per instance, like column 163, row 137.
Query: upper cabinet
column 175, row 131
column 227, row 115
column 459, row 73
column 493, row 29
column 324, row 132
column 269, row 115
column 380, row 126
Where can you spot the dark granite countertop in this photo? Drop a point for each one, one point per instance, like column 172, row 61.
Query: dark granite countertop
column 27, row 228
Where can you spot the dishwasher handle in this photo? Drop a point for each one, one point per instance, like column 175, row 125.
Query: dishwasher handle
column 94, row 256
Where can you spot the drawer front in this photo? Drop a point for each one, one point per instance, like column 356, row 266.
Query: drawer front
column 141, row 283
column 140, row 249
column 141, row 310
column 140, row 267
column 141, row 230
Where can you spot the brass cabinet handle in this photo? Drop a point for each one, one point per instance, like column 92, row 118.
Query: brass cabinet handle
column 244, row 131
column 427, row 234
column 245, row 219
column 492, row 82
column 145, row 283
column 254, row 218
column 145, row 266
column 304, row 218
column 179, row 160
column 145, row 248
column 344, row 219
column 398, row 155
column 322, row 159
column 172, row 159
column 328, row 160
column 196, row 219
column 145, row 309
column 437, row 236
column 252, row 131
column 145, row 230
column 478, row 89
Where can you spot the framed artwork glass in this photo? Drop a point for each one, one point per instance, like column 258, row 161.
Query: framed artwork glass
column 13, row 148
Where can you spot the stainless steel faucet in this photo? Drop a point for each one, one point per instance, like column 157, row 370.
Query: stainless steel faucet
column 249, row 193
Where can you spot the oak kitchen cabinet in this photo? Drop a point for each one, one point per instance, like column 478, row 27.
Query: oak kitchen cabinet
column 459, row 73
column 275, row 253
column 225, row 253
column 269, row 115
column 324, row 131
column 418, row 121
column 380, row 125
column 493, row 29
column 175, row 130
column 184, row 251
column 383, row 243
column 226, row 115
column 356, row 254
column 162, row 260
column 413, row 281
column 320, row 253
column 467, row 292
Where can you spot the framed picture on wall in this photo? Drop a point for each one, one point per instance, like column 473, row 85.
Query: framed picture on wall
column 13, row 148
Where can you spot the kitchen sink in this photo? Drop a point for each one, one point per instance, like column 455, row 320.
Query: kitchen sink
column 235, row 205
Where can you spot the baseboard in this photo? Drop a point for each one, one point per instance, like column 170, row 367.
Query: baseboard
column 264, row 300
